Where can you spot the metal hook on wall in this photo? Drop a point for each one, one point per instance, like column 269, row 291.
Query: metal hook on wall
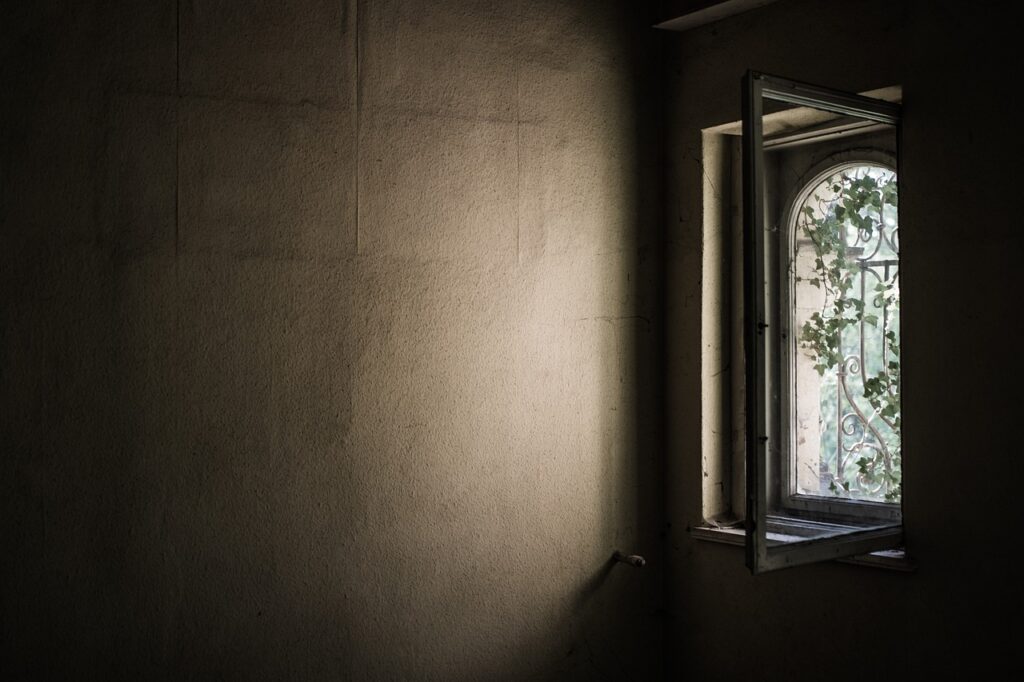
column 634, row 560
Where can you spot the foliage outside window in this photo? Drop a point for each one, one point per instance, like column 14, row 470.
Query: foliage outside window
column 845, row 288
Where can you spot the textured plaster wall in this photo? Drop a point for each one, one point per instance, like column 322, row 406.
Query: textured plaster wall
column 958, row 616
column 328, row 340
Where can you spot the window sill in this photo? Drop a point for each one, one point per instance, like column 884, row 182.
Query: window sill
column 891, row 559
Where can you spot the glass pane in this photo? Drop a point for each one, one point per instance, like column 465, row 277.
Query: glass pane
column 832, row 264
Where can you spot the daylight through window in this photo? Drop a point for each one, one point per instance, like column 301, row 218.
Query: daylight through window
column 844, row 352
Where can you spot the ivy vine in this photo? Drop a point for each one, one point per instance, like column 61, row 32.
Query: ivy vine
column 850, row 219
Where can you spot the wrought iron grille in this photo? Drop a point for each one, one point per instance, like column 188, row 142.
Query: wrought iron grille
column 859, row 448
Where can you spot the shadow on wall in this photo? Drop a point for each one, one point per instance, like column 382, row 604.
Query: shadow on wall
column 310, row 375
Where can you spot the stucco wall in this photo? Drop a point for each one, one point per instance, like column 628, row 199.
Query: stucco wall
column 328, row 340
column 958, row 615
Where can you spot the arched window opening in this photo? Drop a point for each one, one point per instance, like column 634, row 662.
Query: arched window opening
column 844, row 347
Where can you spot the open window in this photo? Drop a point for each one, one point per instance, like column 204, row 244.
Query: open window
column 822, row 428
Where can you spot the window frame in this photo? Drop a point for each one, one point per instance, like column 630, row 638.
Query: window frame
column 772, row 541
